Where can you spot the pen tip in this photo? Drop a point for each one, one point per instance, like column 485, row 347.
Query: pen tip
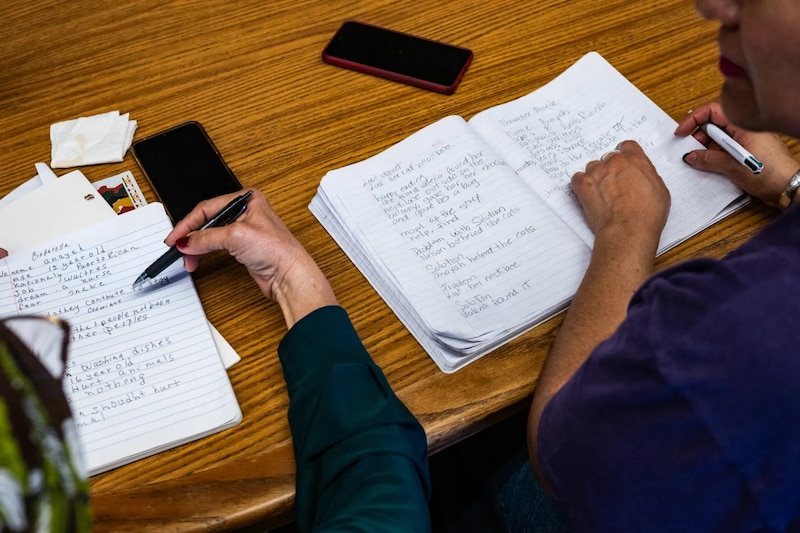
column 138, row 282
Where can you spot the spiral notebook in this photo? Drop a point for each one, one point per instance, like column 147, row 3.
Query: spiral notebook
column 143, row 372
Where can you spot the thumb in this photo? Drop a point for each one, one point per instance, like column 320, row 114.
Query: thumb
column 713, row 161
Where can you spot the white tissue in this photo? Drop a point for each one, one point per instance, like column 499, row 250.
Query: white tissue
column 91, row 140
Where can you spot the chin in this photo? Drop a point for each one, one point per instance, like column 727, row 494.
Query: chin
column 743, row 113
column 740, row 105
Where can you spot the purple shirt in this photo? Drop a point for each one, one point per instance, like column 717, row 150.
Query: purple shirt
column 688, row 417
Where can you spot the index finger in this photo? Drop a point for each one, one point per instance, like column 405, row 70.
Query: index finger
column 711, row 112
column 198, row 216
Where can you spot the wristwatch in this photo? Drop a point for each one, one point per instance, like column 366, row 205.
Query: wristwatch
column 788, row 193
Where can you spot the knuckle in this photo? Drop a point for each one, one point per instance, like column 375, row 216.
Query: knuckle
column 577, row 181
column 237, row 232
column 702, row 158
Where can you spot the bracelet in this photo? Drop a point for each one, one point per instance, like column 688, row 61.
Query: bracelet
column 787, row 196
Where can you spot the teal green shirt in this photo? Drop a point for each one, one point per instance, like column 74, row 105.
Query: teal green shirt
column 361, row 455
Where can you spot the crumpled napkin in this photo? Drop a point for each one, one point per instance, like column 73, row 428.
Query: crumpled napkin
column 91, row 140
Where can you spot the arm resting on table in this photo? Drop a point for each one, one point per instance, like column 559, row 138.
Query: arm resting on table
column 361, row 455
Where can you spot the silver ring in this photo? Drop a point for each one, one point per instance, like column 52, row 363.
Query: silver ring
column 606, row 155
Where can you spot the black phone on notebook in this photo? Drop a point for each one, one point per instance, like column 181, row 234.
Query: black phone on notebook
column 183, row 167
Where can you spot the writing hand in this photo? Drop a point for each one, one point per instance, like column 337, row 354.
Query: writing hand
column 3, row 253
column 280, row 266
column 779, row 165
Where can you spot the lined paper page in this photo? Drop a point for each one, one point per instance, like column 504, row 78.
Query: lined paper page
column 458, row 238
column 469, row 231
column 143, row 373
column 552, row 133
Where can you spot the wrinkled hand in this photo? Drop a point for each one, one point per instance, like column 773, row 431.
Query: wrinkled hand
column 280, row 266
column 779, row 165
column 623, row 194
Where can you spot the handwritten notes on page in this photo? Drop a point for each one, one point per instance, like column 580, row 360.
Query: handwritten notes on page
column 143, row 373
column 548, row 135
column 459, row 247
column 469, row 231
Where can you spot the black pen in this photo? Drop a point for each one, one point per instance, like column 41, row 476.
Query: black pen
column 229, row 213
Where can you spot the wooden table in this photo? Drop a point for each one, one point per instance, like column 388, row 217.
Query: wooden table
column 251, row 72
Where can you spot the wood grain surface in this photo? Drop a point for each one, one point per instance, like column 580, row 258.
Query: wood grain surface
column 250, row 71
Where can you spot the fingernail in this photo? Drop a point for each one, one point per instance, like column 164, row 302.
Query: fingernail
column 690, row 158
column 183, row 242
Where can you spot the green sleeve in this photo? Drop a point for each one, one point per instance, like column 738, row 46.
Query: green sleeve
column 361, row 455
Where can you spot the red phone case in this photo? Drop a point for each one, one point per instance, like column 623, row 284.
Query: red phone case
column 395, row 76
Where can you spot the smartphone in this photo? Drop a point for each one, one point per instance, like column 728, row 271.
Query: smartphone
column 183, row 167
column 398, row 56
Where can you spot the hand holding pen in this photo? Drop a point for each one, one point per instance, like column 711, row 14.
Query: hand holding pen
column 261, row 242
column 227, row 215
column 736, row 150
column 778, row 165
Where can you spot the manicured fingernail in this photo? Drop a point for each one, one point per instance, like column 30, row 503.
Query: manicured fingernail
column 183, row 242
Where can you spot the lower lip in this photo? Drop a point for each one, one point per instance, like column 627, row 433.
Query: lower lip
column 730, row 69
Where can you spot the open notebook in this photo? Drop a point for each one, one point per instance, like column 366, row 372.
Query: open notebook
column 469, row 230
column 143, row 373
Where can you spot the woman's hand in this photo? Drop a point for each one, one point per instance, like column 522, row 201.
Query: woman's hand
column 623, row 195
column 779, row 165
column 626, row 204
column 280, row 266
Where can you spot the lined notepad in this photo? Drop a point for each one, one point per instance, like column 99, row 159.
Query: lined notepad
column 469, row 230
column 143, row 373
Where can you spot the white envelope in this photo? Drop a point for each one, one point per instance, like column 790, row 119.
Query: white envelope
column 65, row 204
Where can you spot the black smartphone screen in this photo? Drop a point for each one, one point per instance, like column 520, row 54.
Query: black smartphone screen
column 184, row 167
column 390, row 51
